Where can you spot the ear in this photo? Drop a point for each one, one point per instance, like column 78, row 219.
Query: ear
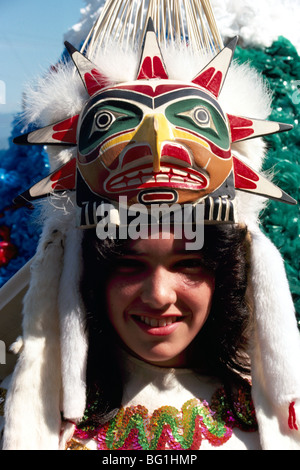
column 92, row 79
column 151, row 63
column 212, row 77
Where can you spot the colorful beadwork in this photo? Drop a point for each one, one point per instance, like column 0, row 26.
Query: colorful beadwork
column 133, row 428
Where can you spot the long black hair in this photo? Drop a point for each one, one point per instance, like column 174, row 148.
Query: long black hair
column 222, row 342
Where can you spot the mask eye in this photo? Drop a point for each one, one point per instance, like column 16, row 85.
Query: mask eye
column 104, row 120
column 201, row 116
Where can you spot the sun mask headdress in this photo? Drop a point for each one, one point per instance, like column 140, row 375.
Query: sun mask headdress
column 161, row 136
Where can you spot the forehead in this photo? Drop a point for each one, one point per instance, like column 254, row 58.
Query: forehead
column 153, row 94
column 160, row 247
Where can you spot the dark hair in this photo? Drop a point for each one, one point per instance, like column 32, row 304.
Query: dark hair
column 223, row 340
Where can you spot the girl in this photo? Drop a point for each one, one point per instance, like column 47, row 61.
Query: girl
column 143, row 344
column 172, row 330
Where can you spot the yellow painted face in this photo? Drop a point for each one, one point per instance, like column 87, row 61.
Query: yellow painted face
column 162, row 142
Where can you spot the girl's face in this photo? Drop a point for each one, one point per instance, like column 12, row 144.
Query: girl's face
column 159, row 297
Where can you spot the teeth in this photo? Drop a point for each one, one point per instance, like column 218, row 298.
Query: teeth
column 162, row 178
column 160, row 322
column 193, row 177
column 147, row 170
column 132, row 174
column 173, row 175
column 176, row 179
column 179, row 172
column 134, row 182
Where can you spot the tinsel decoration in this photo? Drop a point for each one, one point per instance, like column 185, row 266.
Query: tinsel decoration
column 280, row 65
column 21, row 167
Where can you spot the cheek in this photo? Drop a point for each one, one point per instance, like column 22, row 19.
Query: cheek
column 199, row 297
column 119, row 293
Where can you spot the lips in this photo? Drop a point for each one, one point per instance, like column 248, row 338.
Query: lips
column 157, row 326
column 169, row 176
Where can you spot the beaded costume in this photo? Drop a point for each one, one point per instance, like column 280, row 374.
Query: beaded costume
column 186, row 423
column 135, row 113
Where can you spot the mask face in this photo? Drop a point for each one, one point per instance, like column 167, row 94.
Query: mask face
column 161, row 142
column 153, row 140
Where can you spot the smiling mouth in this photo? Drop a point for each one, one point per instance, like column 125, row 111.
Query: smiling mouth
column 157, row 322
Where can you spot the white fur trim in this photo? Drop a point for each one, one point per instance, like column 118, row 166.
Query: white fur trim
column 32, row 408
column 73, row 336
column 275, row 358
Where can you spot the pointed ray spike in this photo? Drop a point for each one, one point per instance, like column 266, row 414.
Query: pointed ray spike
column 151, row 64
column 245, row 128
column 62, row 179
column 61, row 133
column 92, row 79
column 212, row 77
column 247, row 179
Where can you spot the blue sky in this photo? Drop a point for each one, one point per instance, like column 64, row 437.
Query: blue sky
column 31, row 39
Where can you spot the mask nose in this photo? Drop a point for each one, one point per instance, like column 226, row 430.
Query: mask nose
column 155, row 130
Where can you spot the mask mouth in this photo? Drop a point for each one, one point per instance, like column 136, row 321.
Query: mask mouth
column 143, row 177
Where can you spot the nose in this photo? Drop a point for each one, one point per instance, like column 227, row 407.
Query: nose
column 155, row 130
column 158, row 289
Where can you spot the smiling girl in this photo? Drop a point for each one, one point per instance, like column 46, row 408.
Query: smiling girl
column 172, row 327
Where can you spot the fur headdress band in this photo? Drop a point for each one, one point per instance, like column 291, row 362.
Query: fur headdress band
column 196, row 117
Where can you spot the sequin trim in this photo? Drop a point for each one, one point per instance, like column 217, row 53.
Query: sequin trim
column 134, row 428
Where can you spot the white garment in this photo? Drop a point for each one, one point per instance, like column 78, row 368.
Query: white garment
column 154, row 387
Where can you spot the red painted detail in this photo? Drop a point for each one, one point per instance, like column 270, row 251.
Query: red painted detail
column 136, row 152
column 214, row 85
column 159, row 69
column 146, row 69
column 65, row 131
column 95, row 81
column 176, row 151
column 211, row 80
column 244, row 177
column 152, row 67
column 64, row 177
column 205, row 77
column 8, row 251
column 239, row 134
column 156, row 196
column 237, row 121
column 292, row 420
column 240, row 127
